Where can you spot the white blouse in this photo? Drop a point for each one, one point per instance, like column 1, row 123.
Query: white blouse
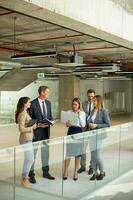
column 77, row 118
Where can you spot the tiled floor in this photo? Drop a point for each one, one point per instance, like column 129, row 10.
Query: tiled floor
column 117, row 159
column 46, row 189
column 120, row 189
column 10, row 137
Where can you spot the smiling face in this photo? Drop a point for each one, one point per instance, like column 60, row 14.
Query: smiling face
column 28, row 104
column 75, row 106
column 90, row 96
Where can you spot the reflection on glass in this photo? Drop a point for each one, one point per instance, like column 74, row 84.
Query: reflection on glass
column 7, row 174
column 53, row 152
column 126, row 144
column 115, row 151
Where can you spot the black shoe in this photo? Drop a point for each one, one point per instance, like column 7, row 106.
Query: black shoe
column 90, row 171
column 100, row 176
column 93, row 177
column 81, row 169
column 32, row 180
column 75, row 178
column 64, row 178
column 48, row 176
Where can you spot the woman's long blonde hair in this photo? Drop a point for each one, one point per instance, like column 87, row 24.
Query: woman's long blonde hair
column 100, row 103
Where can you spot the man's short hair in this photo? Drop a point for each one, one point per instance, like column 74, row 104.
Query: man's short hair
column 91, row 91
column 42, row 89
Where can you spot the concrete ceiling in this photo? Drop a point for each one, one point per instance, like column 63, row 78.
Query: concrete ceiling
column 125, row 4
column 24, row 35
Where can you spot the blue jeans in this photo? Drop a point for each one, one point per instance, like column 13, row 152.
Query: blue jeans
column 96, row 160
column 28, row 158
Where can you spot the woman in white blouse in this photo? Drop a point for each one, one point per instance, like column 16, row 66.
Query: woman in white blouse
column 74, row 129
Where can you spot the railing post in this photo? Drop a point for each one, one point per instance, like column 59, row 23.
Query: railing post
column 14, row 178
column 62, row 192
column 119, row 153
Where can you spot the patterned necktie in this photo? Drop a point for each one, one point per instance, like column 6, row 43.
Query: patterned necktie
column 89, row 112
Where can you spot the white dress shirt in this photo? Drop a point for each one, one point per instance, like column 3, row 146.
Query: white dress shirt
column 81, row 118
column 40, row 103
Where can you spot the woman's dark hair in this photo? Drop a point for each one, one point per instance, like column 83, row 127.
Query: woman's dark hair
column 20, row 106
column 76, row 99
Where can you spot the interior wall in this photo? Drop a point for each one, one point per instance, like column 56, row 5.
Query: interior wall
column 9, row 99
column 117, row 95
column 119, row 92
column 94, row 84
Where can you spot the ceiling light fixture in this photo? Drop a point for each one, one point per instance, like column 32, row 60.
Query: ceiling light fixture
column 33, row 55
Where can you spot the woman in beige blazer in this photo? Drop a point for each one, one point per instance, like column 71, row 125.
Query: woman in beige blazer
column 26, row 135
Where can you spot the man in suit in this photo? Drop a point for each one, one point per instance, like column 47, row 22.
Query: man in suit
column 41, row 109
column 87, row 107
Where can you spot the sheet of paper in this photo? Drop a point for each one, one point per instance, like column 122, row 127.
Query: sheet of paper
column 68, row 116
column 64, row 117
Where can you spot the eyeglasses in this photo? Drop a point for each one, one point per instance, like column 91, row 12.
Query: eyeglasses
column 91, row 96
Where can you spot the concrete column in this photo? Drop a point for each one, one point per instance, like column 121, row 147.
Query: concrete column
column 69, row 87
column 0, row 102
column 132, row 101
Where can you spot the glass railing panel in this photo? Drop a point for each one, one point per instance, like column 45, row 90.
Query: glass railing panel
column 7, row 188
column 107, row 148
column 104, row 144
column 76, row 146
column 126, row 147
column 115, row 152
column 52, row 152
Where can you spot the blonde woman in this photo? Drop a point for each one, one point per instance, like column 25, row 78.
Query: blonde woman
column 74, row 129
column 26, row 135
column 98, row 119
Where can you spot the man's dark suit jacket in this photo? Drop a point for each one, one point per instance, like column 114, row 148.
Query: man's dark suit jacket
column 36, row 113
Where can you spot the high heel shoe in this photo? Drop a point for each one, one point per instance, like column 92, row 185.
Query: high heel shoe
column 65, row 178
column 100, row 176
column 75, row 178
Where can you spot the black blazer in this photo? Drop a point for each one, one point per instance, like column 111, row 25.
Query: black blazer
column 36, row 113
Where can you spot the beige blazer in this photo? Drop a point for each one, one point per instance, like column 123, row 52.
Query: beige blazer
column 26, row 133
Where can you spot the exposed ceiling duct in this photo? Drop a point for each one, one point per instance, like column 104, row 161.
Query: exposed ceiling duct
column 55, row 50
column 33, row 55
column 69, row 61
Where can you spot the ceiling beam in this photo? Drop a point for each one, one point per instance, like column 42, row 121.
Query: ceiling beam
column 6, row 13
column 46, row 15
